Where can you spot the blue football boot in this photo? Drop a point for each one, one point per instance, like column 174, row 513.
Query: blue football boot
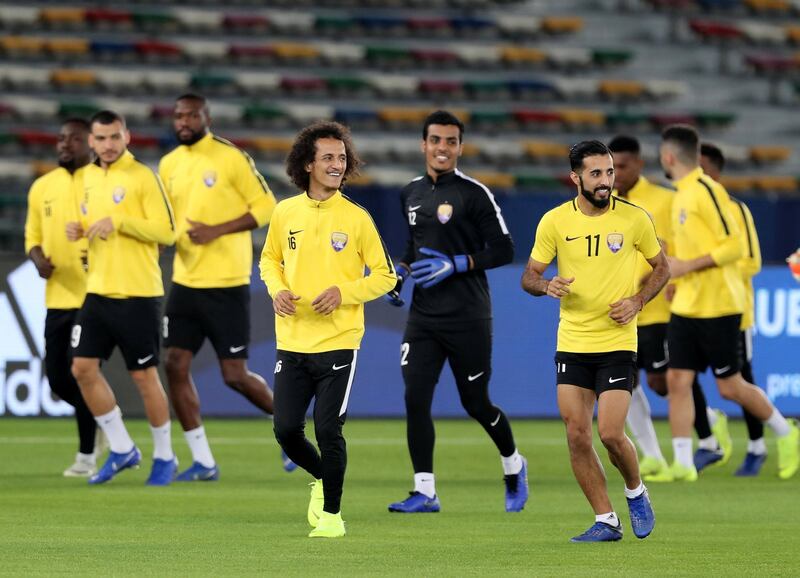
column 517, row 489
column 115, row 464
column 416, row 503
column 199, row 473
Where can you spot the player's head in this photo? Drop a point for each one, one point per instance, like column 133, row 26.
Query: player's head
column 680, row 149
column 73, row 144
column 628, row 162
column 322, row 157
column 109, row 137
column 442, row 135
column 712, row 161
column 191, row 118
column 592, row 171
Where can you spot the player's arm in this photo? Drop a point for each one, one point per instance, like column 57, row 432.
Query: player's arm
column 533, row 281
column 381, row 278
column 718, row 219
column 499, row 248
column 750, row 264
column 33, row 234
column 158, row 223
column 402, row 268
column 271, row 267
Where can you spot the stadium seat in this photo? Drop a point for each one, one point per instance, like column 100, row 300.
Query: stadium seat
column 523, row 55
column 776, row 183
column 737, row 184
column 403, row 115
column 561, row 24
column 106, row 17
column 214, row 82
column 37, row 138
column 770, row 65
column 434, row 57
column 621, row 89
column 258, row 83
column 203, row 50
column 304, row 85
column 569, row 57
column 545, row 118
column 389, row 56
column 793, row 34
column 258, row 113
column 628, row 121
column 518, row 25
column 429, row 25
column 777, row 7
column 494, row 180
column 273, row 147
column 157, row 21
column 158, row 50
column 118, row 80
column 471, row 25
column 762, row 32
column 348, row 85
column 295, row 51
column 133, row 110
column 112, row 49
column 528, row 87
column 717, row 31
column 769, row 154
column 31, row 108
column 357, row 117
column 73, row 78
column 545, row 150
column 12, row 17
column 292, row 21
column 340, row 53
column 536, row 181
column 665, row 89
column 167, row 81
column 493, row 121
column 500, row 151
column 303, row 114
column 487, row 89
column 63, row 48
column 392, row 85
column 193, row 20
column 442, row 88
column 22, row 46
column 611, row 57
column 63, row 17
column 244, row 21
column 661, row 120
column 713, row 119
column 80, row 109
column 142, row 141
column 584, row 119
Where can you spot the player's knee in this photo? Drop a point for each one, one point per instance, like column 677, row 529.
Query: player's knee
column 84, row 370
column 657, row 383
column 286, row 432
column 478, row 409
column 579, row 437
column 417, row 404
column 728, row 389
column 176, row 366
column 612, row 440
column 234, row 376
column 328, row 434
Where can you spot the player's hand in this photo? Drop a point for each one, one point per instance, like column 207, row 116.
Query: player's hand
column 102, row 228
column 625, row 310
column 202, row 234
column 283, row 303
column 558, row 287
column 74, row 231
column 437, row 267
column 44, row 265
column 393, row 296
column 677, row 267
column 327, row 301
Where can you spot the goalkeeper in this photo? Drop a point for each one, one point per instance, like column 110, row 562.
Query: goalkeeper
column 456, row 231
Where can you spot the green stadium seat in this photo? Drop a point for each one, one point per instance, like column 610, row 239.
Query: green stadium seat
column 714, row 119
column 81, row 109
column 536, row 181
column 611, row 57
column 493, row 120
column 487, row 89
column 628, row 121
column 389, row 56
column 341, row 84
column 214, row 81
column 155, row 20
column 334, row 23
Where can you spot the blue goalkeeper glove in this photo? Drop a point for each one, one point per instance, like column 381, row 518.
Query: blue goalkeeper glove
column 437, row 268
column 393, row 296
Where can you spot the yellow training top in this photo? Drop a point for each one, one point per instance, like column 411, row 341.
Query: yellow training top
column 750, row 264
column 212, row 182
column 701, row 225
column 312, row 245
column 657, row 201
column 52, row 203
column 601, row 254
column 126, row 263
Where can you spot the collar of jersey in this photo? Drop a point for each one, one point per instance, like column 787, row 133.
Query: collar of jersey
column 202, row 144
column 441, row 179
column 125, row 160
column 332, row 201
column 689, row 178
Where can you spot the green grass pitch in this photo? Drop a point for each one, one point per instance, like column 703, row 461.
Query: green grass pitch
column 253, row 521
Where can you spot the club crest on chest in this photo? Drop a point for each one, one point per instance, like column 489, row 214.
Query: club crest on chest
column 614, row 241
column 338, row 241
column 209, row 178
column 444, row 212
column 118, row 194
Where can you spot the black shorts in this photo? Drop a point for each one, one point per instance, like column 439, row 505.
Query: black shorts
column 222, row 315
column 58, row 354
column 130, row 324
column 597, row 371
column 697, row 343
column 746, row 354
column 653, row 354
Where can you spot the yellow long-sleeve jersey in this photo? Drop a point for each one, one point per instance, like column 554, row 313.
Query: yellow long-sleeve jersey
column 702, row 224
column 313, row 245
column 657, row 201
column 126, row 263
column 212, row 182
column 750, row 264
column 52, row 203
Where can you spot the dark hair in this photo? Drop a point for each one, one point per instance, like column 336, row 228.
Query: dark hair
column 623, row 143
column 107, row 117
column 685, row 139
column 80, row 122
column 193, row 96
column 583, row 149
column 305, row 147
column 443, row 117
column 714, row 154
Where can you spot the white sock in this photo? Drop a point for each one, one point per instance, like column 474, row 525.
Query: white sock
column 198, row 445
column 512, row 464
column 712, row 416
column 119, row 441
column 757, row 447
column 424, row 483
column 709, row 443
column 641, row 425
column 683, row 451
column 85, row 458
column 162, row 442
column 610, row 518
column 778, row 424
column 636, row 492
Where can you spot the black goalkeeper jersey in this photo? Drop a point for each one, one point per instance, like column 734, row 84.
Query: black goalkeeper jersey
column 456, row 215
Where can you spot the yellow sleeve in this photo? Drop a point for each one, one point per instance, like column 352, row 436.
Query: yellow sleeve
column 544, row 246
column 271, row 263
column 648, row 244
column 724, row 228
column 750, row 264
column 33, row 222
column 381, row 278
column 254, row 189
column 158, row 224
column 164, row 171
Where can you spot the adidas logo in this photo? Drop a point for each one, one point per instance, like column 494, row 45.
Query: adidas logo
column 24, row 389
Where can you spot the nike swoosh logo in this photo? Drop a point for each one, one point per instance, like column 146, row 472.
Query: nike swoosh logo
column 572, row 238
column 721, row 370
column 474, row 377
column 443, row 271
column 142, row 360
column 295, row 232
column 659, row 364
column 615, row 380
column 497, row 419
column 338, row 367
column 414, row 208
column 237, row 349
